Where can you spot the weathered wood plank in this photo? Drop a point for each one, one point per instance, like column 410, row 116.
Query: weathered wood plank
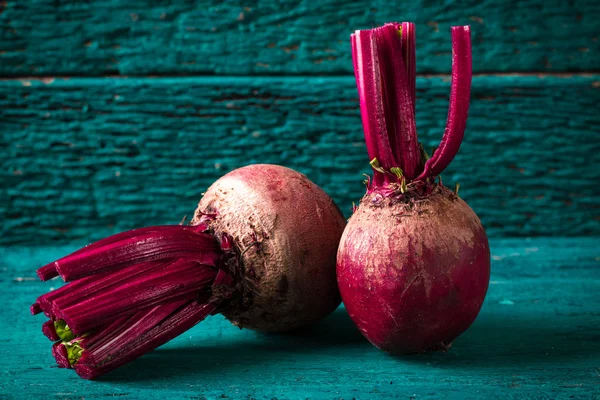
column 44, row 37
column 82, row 158
column 536, row 338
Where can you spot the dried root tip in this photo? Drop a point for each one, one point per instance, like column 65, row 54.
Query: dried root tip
column 443, row 347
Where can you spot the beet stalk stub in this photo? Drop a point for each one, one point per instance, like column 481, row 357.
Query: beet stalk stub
column 261, row 249
column 413, row 263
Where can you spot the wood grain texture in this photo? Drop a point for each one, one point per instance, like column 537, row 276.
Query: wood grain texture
column 82, row 158
column 536, row 338
column 46, row 37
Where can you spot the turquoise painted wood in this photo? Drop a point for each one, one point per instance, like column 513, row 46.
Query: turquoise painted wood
column 537, row 337
column 46, row 37
column 82, row 158
column 271, row 81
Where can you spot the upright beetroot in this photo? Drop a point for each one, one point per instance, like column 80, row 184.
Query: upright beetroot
column 414, row 262
column 261, row 250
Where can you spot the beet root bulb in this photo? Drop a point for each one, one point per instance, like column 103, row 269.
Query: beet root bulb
column 413, row 277
column 413, row 264
column 261, row 250
column 286, row 230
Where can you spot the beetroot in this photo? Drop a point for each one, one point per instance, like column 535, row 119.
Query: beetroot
column 261, row 249
column 287, row 230
column 413, row 264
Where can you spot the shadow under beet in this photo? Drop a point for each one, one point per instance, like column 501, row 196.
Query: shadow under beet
column 500, row 341
column 334, row 334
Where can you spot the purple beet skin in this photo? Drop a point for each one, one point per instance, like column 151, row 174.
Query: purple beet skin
column 413, row 264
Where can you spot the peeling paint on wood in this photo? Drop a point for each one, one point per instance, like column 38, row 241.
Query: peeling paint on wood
column 45, row 37
column 83, row 158
column 536, row 338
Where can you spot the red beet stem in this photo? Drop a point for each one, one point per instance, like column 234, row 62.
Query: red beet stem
column 460, row 91
column 49, row 331
column 396, row 78
column 133, row 292
column 385, row 77
column 104, row 344
column 144, row 333
column 126, row 338
column 47, row 272
column 83, row 288
column 136, row 232
column 129, row 338
column 372, row 108
column 105, row 283
column 409, row 49
column 35, row 308
column 68, row 352
column 182, row 280
column 137, row 246
column 59, row 351
column 44, row 302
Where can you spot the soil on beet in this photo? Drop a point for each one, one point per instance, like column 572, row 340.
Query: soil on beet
column 286, row 231
column 413, row 274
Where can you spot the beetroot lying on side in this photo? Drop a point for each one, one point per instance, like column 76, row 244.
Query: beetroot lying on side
column 413, row 264
column 260, row 249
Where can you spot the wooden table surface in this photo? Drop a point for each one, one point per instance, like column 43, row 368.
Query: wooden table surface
column 119, row 114
column 538, row 336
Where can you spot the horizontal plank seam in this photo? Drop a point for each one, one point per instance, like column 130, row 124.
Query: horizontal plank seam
column 565, row 75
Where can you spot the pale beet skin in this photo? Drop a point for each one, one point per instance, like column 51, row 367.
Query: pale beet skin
column 286, row 230
column 413, row 276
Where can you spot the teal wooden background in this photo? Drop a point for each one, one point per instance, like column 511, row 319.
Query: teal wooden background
column 145, row 37
column 119, row 114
